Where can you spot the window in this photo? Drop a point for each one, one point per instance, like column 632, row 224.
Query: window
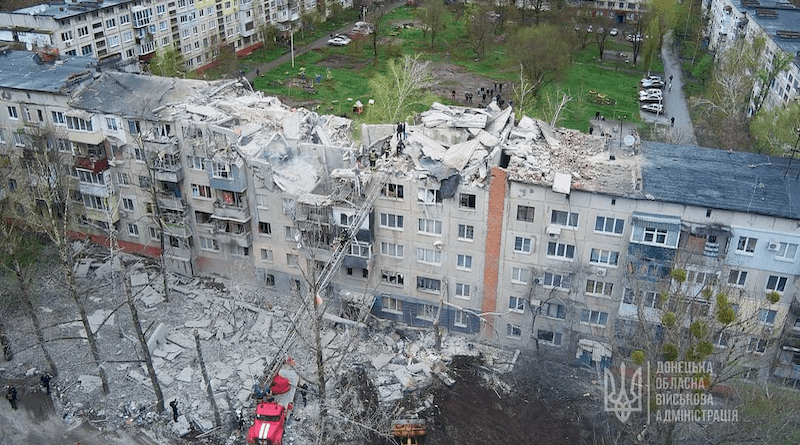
column 390, row 304
column 392, row 191
column 429, row 196
column 363, row 250
column 58, row 118
column 786, row 251
column 596, row 318
column 460, row 319
column 513, row 331
column 737, row 277
column 553, row 310
column 90, row 178
column 66, row 37
column 693, row 276
column 240, row 251
column 522, row 245
column 430, row 226
column 746, row 244
column 113, row 41
column 12, row 112
column 83, row 31
column 160, row 9
column 392, row 250
column 466, row 232
column 220, row 170
column 549, row 337
column 556, row 280
column 525, row 213
column 264, row 228
column 125, row 18
column 776, row 283
column 78, row 124
column 757, row 345
column 111, row 23
column 598, row 288
column 609, row 225
column 560, row 250
column 464, row 262
column 288, row 233
column 561, row 218
column 605, row 257
column 467, row 201
column 201, row 191
column 516, row 304
column 94, row 202
column 463, row 291
column 19, row 139
column 430, row 256
column 266, row 255
column 86, row 50
column 196, row 163
column 133, row 230
column 428, row 284
column 427, row 312
column 127, row 204
column 154, row 233
column 127, row 36
column 519, row 275
column 111, row 123
column 392, row 277
column 292, row 260
column 391, row 221
column 767, row 316
column 134, row 127
column 655, row 236
column 722, row 340
column 209, row 244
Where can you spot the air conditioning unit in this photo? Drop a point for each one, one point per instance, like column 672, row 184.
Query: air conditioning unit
column 536, row 303
column 601, row 272
column 554, row 231
column 537, row 280
column 773, row 247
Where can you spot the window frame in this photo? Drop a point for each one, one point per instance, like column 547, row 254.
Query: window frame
column 570, row 219
column 601, row 225
column 526, row 213
column 561, row 251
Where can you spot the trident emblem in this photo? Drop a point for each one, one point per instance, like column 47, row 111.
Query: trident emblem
column 626, row 400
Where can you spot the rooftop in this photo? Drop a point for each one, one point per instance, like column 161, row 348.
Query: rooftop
column 23, row 70
column 782, row 16
column 70, row 8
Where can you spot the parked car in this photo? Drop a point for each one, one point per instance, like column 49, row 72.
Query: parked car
column 651, row 91
column 589, row 28
column 647, row 83
column 653, row 108
column 339, row 40
column 577, row 27
column 601, row 30
column 634, row 37
column 613, row 32
column 657, row 98
column 362, row 28
column 652, row 78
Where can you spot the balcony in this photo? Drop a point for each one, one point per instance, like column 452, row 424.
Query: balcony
column 168, row 173
column 170, row 201
column 177, row 229
column 88, row 188
column 232, row 213
column 93, row 164
column 102, row 215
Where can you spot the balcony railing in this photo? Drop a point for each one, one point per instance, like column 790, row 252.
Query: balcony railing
column 94, row 164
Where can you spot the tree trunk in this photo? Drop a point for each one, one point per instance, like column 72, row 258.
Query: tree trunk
column 148, row 359
column 8, row 355
column 37, row 327
column 73, row 292
column 320, row 358
column 209, row 391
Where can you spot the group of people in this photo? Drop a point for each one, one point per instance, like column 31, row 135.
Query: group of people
column 493, row 93
column 13, row 396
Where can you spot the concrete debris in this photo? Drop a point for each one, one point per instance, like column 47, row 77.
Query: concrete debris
column 90, row 383
column 150, row 297
column 181, row 427
column 139, row 279
column 203, row 323
column 185, row 375
column 82, row 268
column 382, row 360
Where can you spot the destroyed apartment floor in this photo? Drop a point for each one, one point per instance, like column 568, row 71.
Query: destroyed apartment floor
column 239, row 330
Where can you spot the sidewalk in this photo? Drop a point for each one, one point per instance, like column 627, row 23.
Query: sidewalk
column 675, row 99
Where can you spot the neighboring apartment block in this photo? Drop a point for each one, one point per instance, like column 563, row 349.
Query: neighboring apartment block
column 778, row 22
column 511, row 232
column 130, row 31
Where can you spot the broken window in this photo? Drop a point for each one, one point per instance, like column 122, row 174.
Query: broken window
column 266, row 255
column 269, row 279
column 209, row 244
column 220, row 170
column 561, row 218
column 467, row 201
column 513, row 331
column 525, row 213
column 392, row 277
column 264, row 228
column 737, row 277
column 202, row 217
column 392, row 191
column 426, row 284
column 427, row 312
column 201, row 191
column 549, row 337
column 428, row 196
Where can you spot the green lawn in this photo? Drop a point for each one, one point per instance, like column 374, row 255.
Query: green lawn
column 354, row 66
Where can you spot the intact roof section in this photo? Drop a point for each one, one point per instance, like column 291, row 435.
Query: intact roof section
column 743, row 182
column 21, row 71
column 787, row 18
column 73, row 8
column 136, row 95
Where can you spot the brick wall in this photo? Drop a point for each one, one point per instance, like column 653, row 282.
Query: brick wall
column 494, row 233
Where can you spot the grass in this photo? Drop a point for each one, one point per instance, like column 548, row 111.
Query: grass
column 615, row 79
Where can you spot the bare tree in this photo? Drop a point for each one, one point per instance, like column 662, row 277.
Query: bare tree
column 404, row 85
column 478, row 26
column 432, row 17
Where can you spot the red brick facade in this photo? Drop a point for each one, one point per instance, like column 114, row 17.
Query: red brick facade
column 494, row 234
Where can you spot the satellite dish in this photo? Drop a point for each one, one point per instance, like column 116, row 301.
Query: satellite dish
column 629, row 140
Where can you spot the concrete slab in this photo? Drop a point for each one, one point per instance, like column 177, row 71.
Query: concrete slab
column 181, row 427
column 201, row 323
column 139, row 279
column 90, row 383
column 97, row 318
column 158, row 338
column 150, row 297
column 382, row 360
column 389, row 393
column 185, row 375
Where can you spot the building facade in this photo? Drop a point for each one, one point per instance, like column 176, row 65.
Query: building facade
column 130, row 31
column 510, row 232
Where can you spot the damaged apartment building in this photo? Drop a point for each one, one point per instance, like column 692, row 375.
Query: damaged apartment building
column 510, row 232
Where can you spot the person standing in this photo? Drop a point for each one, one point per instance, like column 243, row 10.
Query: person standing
column 174, row 405
column 304, row 393
column 672, row 121
column 44, row 379
column 11, row 395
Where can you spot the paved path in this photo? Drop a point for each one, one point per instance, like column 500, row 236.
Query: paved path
column 682, row 132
